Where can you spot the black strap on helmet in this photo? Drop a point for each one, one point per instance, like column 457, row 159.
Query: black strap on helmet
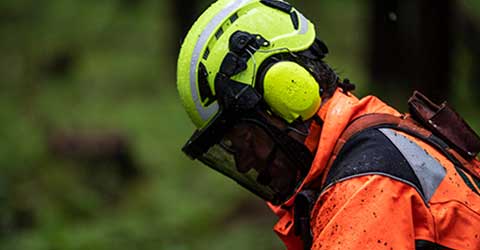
column 242, row 46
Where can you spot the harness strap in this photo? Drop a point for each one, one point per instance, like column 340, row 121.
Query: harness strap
column 307, row 198
column 405, row 124
column 304, row 203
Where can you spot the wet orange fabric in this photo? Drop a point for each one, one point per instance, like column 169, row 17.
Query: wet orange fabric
column 377, row 212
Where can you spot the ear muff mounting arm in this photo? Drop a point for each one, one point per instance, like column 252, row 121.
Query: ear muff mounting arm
column 242, row 46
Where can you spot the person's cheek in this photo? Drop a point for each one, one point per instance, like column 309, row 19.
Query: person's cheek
column 243, row 160
column 264, row 177
column 283, row 176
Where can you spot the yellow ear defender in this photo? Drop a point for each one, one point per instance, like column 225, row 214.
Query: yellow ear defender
column 291, row 91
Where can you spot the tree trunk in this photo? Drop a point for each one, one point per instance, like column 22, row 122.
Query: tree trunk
column 433, row 75
column 185, row 12
column 471, row 36
column 411, row 47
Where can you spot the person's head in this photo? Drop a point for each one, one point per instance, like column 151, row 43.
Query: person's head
column 250, row 75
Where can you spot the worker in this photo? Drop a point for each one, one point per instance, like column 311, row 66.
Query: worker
column 340, row 172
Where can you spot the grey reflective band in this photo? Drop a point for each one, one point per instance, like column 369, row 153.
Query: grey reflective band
column 429, row 171
column 206, row 112
column 303, row 24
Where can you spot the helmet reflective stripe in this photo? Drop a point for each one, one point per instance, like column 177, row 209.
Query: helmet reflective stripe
column 304, row 24
column 207, row 112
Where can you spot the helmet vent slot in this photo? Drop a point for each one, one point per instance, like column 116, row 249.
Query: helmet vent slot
column 203, row 87
column 233, row 18
column 206, row 53
column 219, row 33
column 279, row 5
column 294, row 17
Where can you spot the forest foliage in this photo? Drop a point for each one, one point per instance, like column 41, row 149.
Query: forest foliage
column 91, row 127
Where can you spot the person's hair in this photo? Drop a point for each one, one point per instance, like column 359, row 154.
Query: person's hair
column 326, row 77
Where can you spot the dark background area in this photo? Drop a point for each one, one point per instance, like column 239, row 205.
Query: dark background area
column 91, row 124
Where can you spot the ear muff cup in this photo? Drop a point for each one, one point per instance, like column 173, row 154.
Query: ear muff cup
column 290, row 90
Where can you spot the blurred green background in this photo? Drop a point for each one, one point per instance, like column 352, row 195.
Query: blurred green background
column 91, row 125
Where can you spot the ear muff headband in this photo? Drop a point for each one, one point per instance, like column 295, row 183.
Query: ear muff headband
column 290, row 91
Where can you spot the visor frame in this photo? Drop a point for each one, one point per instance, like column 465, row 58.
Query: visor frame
column 239, row 111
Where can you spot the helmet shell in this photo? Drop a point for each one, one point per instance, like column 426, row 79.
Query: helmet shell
column 207, row 43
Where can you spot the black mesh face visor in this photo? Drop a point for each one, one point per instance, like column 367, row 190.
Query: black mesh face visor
column 241, row 143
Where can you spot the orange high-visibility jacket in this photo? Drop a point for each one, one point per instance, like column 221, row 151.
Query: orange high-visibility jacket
column 385, row 190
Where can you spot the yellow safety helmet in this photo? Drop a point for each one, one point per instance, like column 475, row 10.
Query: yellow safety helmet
column 289, row 89
column 239, row 62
